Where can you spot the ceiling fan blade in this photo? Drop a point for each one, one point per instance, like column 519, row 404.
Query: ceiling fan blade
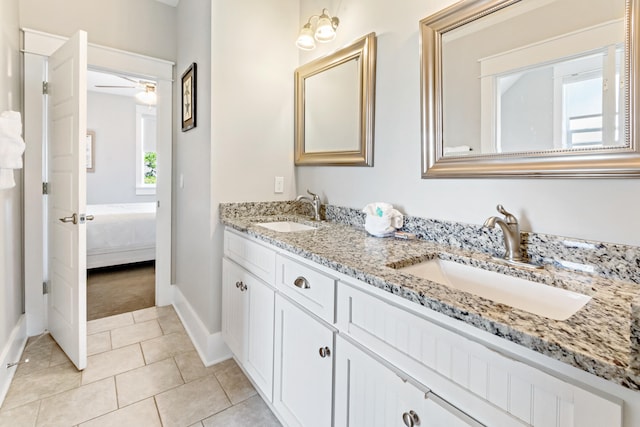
column 128, row 78
column 116, row 87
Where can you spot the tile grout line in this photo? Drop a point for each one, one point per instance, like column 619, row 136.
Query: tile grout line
column 155, row 402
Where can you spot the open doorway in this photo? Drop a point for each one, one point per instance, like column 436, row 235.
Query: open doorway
column 121, row 193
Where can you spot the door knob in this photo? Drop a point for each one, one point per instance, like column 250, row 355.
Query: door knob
column 73, row 218
column 90, row 217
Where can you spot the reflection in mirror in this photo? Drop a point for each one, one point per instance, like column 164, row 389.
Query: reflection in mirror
column 529, row 87
column 334, row 107
column 331, row 109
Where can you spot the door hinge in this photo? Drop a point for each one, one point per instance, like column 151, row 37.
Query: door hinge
column 45, row 188
column 45, row 88
column 45, row 288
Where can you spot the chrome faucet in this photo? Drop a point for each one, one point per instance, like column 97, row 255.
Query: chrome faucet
column 315, row 202
column 511, row 231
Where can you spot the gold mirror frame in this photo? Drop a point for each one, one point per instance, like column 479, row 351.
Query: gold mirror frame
column 363, row 49
column 603, row 163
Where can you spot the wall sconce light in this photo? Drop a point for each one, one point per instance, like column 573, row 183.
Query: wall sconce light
column 149, row 96
column 325, row 31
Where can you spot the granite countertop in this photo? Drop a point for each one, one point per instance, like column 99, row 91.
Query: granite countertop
column 602, row 338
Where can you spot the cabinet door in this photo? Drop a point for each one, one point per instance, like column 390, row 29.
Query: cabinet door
column 303, row 380
column 235, row 312
column 259, row 361
column 370, row 394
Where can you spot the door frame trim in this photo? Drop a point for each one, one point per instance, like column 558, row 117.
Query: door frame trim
column 36, row 47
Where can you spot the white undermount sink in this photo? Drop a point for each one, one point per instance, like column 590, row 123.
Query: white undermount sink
column 285, row 226
column 537, row 298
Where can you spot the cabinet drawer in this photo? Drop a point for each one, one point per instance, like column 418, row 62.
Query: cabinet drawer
column 256, row 258
column 431, row 353
column 371, row 394
column 310, row 288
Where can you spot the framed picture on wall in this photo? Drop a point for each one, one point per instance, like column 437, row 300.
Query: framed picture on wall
column 189, row 98
column 91, row 149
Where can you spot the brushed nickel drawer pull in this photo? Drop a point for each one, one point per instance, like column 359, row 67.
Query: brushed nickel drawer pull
column 325, row 352
column 302, row 283
column 411, row 419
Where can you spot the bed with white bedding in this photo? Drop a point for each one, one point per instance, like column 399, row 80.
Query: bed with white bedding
column 121, row 234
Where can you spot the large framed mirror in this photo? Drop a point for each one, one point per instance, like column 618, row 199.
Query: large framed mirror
column 334, row 107
column 530, row 88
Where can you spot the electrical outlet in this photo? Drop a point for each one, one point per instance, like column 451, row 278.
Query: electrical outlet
column 278, row 185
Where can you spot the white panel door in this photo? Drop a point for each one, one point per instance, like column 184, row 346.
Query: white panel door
column 259, row 361
column 303, row 367
column 67, row 301
column 235, row 308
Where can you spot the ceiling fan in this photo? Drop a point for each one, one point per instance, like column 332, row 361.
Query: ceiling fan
column 146, row 89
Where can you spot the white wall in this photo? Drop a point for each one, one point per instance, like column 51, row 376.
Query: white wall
column 141, row 26
column 244, row 132
column 253, row 61
column 10, row 199
column 596, row 209
column 192, row 240
column 113, row 119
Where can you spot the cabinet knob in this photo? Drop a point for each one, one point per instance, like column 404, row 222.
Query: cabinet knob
column 324, row 352
column 238, row 285
column 302, row 283
column 241, row 286
column 411, row 419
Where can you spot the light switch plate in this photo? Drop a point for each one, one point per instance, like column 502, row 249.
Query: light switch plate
column 278, row 184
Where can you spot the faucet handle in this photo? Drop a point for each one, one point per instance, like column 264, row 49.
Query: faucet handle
column 509, row 218
column 314, row 195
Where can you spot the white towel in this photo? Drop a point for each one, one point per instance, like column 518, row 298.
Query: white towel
column 6, row 179
column 11, row 147
column 460, row 149
column 382, row 219
column 11, row 143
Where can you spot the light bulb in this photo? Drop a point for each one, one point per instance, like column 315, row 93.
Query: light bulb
column 305, row 39
column 149, row 96
column 325, row 30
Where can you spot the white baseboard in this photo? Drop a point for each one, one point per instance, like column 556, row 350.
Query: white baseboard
column 10, row 354
column 211, row 347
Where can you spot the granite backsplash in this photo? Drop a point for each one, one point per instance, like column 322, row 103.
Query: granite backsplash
column 608, row 260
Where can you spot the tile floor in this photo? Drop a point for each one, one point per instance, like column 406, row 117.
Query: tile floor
column 142, row 370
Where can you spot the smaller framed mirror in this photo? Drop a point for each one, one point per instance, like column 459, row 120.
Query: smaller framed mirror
column 334, row 107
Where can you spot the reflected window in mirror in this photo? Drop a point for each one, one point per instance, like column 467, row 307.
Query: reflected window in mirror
column 529, row 87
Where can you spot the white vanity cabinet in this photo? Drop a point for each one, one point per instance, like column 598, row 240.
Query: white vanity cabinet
column 325, row 350
column 248, row 309
column 370, row 393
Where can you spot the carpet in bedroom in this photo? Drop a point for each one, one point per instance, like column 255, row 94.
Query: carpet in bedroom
column 120, row 289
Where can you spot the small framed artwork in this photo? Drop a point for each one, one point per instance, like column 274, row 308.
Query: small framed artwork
column 91, row 150
column 189, row 98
